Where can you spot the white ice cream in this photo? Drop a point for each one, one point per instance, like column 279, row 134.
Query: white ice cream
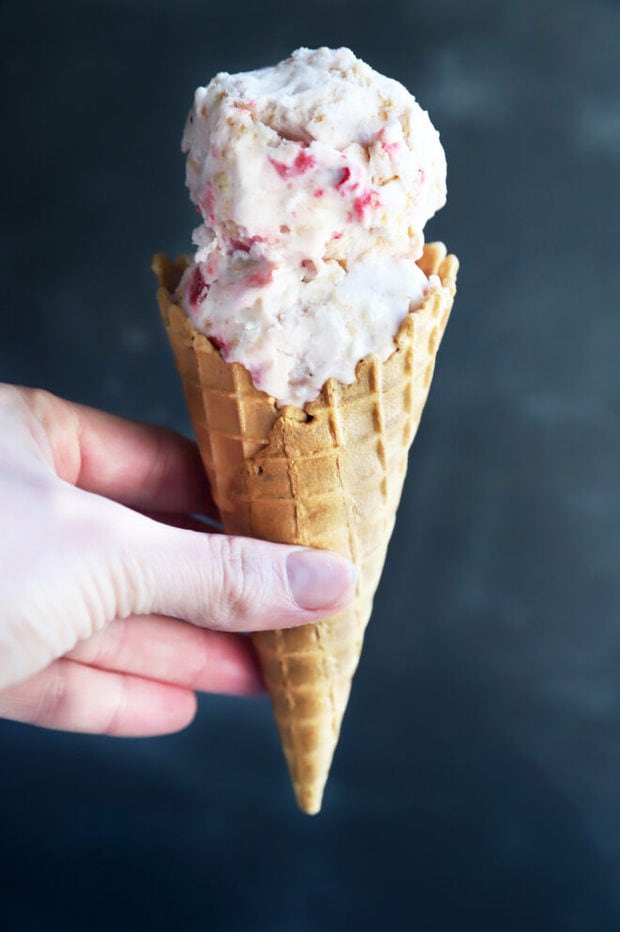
column 314, row 180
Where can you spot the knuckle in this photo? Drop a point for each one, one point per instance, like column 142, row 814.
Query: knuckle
column 51, row 707
column 117, row 712
column 37, row 399
column 241, row 593
column 200, row 664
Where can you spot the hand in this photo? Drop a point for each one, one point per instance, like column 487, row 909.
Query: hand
column 100, row 571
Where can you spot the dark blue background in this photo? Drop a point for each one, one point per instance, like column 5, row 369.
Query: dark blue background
column 477, row 782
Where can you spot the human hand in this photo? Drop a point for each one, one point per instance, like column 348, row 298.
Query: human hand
column 100, row 572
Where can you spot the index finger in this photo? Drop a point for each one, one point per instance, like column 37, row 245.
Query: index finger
column 137, row 464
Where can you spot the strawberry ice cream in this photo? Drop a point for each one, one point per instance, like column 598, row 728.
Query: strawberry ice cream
column 314, row 180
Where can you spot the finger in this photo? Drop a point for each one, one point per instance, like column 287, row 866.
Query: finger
column 187, row 522
column 137, row 464
column 72, row 697
column 174, row 652
column 232, row 583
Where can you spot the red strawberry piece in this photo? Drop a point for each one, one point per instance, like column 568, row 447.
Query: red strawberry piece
column 260, row 277
column 344, row 177
column 368, row 200
column 207, row 202
column 303, row 161
column 198, row 288
column 219, row 344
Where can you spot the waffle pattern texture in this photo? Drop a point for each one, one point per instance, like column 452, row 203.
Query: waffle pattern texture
column 328, row 476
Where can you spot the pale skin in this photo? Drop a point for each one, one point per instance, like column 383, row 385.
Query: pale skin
column 116, row 606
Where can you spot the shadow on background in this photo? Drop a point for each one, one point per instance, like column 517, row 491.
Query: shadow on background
column 476, row 782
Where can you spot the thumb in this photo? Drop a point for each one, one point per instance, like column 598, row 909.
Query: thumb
column 235, row 583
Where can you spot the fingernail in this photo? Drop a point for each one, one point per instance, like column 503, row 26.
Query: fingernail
column 320, row 579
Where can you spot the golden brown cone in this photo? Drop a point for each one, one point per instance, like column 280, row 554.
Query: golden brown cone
column 329, row 476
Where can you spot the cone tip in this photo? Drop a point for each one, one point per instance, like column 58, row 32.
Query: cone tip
column 310, row 796
column 309, row 805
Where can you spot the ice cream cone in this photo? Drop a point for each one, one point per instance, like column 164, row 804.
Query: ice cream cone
column 328, row 476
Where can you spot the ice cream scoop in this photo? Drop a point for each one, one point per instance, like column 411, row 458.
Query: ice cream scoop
column 314, row 180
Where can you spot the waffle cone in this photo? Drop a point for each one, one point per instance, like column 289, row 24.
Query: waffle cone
column 327, row 476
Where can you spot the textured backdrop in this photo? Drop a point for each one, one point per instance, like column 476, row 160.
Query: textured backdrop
column 477, row 782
